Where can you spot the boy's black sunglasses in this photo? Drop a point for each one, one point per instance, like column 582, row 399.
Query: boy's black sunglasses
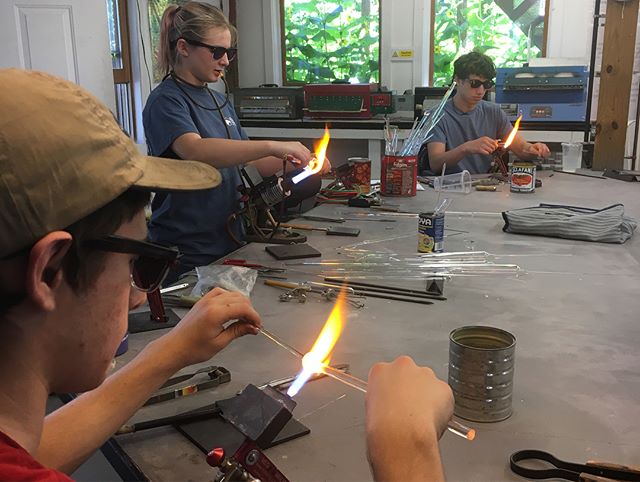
column 151, row 265
column 475, row 83
column 216, row 51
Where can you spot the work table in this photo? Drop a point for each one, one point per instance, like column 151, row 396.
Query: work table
column 573, row 310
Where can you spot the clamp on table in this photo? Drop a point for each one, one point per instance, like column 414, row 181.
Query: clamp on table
column 258, row 197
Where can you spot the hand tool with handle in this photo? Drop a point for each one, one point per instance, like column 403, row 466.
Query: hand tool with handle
column 217, row 375
column 330, row 231
column 590, row 472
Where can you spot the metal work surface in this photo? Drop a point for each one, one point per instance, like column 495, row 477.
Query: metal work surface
column 573, row 310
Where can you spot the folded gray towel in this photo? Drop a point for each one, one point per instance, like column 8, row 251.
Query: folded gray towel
column 607, row 225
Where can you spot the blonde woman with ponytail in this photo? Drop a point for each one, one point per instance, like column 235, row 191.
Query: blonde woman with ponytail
column 184, row 119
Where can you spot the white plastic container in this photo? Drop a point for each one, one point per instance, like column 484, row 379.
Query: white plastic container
column 571, row 156
column 458, row 182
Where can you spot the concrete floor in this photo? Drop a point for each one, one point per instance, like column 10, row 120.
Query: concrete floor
column 573, row 309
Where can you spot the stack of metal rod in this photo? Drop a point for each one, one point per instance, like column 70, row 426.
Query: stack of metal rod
column 422, row 132
column 383, row 291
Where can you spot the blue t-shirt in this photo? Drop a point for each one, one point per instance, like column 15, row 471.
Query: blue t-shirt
column 457, row 127
column 195, row 222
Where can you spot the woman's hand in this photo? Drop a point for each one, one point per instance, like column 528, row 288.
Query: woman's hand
column 292, row 151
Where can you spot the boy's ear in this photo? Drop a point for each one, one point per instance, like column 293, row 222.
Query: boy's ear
column 44, row 269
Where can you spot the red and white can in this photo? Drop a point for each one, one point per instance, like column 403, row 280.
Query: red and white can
column 399, row 176
column 523, row 176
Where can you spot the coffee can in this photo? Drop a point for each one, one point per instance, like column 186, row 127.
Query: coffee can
column 398, row 176
column 481, row 368
column 430, row 232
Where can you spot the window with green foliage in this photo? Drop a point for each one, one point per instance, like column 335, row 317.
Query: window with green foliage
column 156, row 9
column 509, row 31
column 325, row 41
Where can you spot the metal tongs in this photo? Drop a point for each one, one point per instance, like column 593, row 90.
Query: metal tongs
column 559, row 469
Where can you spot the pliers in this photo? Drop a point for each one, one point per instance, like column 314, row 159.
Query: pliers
column 260, row 268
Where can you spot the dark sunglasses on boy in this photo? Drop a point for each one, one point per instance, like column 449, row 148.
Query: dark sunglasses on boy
column 151, row 265
column 475, row 83
column 216, row 51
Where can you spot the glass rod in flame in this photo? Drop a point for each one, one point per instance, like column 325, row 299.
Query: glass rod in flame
column 316, row 163
column 513, row 133
column 320, row 353
column 453, row 426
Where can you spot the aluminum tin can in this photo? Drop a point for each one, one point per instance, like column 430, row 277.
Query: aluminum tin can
column 523, row 177
column 430, row 232
column 481, row 366
column 360, row 175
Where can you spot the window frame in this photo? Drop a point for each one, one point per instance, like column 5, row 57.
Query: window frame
column 283, row 52
column 545, row 35
column 124, row 75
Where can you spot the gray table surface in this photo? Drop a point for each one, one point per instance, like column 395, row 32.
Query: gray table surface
column 574, row 312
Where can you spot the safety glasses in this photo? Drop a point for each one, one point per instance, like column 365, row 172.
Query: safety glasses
column 217, row 52
column 151, row 265
column 475, row 83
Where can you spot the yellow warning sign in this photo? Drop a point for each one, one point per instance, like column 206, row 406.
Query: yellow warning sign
column 402, row 54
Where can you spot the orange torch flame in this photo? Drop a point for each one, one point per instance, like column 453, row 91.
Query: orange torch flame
column 320, row 151
column 315, row 165
column 320, row 353
column 513, row 133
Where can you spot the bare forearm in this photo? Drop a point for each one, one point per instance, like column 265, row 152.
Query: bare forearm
column 521, row 150
column 414, row 463
column 76, row 430
column 224, row 152
column 73, row 432
column 450, row 158
column 268, row 166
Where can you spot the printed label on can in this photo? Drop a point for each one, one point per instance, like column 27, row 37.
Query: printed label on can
column 523, row 177
column 360, row 174
column 430, row 233
column 398, row 176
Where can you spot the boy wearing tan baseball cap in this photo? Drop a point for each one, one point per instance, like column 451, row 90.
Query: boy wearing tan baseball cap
column 73, row 261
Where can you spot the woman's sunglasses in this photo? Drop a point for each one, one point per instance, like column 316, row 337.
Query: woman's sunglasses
column 475, row 83
column 151, row 265
column 217, row 52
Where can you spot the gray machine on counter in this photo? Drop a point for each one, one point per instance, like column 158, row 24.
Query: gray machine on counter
column 544, row 94
column 269, row 102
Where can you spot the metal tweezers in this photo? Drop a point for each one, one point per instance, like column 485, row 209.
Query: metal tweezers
column 217, row 376
column 603, row 471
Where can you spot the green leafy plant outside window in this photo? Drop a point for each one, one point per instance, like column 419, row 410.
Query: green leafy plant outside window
column 156, row 9
column 326, row 41
column 502, row 29
column 114, row 34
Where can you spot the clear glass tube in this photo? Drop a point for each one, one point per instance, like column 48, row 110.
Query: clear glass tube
column 453, row 426
column 354, row 382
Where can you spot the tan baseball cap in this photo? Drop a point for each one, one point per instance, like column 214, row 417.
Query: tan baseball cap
column 63, row 156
